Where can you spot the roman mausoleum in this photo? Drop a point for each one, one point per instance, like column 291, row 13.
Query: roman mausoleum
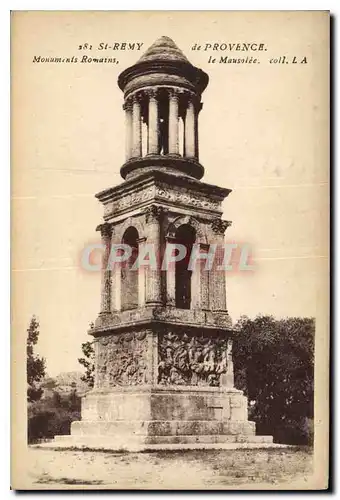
column 163, row 336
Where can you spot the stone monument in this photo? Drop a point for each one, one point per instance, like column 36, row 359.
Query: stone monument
column 163, row 337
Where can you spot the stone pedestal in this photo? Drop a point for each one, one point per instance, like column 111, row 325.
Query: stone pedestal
column 130, row 418
column 163, row 386
column 159, row 417
column 164, row 374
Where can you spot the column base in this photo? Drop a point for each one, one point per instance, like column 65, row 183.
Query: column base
column 153, row 303
column 173, row 163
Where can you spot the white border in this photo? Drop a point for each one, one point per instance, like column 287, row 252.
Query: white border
column 5, row 7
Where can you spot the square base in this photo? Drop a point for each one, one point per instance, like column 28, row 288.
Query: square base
column 176, row 417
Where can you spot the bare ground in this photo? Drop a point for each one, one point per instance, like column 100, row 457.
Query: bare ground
column 208, row 469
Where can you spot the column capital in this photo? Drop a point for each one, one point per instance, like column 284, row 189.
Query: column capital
column 153, row 213
column 219, row 226
column 105, row 229
column 204, row 246
column 152, row 93
column 195, row 100
column 137, row 96
column 127, row 106
column 175, row 93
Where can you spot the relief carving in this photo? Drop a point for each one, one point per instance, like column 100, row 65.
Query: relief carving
column 185, row 197
column 193, row 360
column 160, row 192
column 153, row 213
column 122, row 360
column 106, row 230
column 129, row 200
column 219, row 226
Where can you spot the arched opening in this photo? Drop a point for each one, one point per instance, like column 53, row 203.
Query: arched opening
column 185, row 235
column 129, row 277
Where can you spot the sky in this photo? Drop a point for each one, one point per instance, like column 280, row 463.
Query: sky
column 263, row 132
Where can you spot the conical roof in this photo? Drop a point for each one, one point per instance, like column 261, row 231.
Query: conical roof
column 163, row 49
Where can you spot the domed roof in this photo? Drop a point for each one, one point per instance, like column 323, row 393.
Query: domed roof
column 163, row 57
column 163, row 49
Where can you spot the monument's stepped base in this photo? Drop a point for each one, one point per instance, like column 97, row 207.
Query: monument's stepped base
column 186, row 439
column 162, row 428
column 101, row 443
column 163, row 418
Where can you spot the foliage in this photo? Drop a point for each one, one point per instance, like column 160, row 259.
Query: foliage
column 35, row 364
column 52, row 416
column 49, row 383
column 88, row 363
column 274, row 366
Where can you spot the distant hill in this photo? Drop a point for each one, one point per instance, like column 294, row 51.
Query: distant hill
column 64, row 383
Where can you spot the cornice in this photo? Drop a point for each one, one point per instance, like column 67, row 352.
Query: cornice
column 151, row 178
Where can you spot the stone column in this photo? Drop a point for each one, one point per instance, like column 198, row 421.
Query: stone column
column 116, row 288
column 106, row 234
column 141, row 275
column 196, row 286
column 198, row 108
column 115, row 282
column 217, row 281
column 173, row 123
column 136, row 128
column 153, row 288
column 128, row 128
column 204, row 279
column 200, row 281
column 189, row 129
column 153, row 131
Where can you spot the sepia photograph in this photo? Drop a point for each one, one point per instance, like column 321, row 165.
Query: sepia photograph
column 170, row 250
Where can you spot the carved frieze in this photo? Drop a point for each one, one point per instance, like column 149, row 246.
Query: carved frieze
column 160, row 193
column 193, row 359
column 186, row 197
column 122, row 360
column 129, row 201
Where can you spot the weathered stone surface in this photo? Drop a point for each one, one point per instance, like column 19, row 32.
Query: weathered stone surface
column 189, row 359
column 122, row 359
column 166, row 404
column 141, row 443
column 163, row 338
column 171, row 315
column 164, row 188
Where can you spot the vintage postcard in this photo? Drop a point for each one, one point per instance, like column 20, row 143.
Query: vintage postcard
column 170, row 250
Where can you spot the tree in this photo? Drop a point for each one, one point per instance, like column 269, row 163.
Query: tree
column 52, row 416
column 274, row 365
column 88, row 363
column 35, row 364
column 74, row 400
